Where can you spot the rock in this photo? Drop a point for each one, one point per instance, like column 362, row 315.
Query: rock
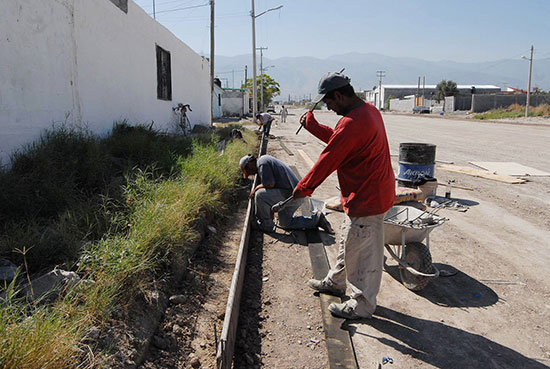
column 194, row 361
column 177, row 299
column 50, row 285
column 7, row 270
column 211, row 229
column 177, row 330
column 93, row 332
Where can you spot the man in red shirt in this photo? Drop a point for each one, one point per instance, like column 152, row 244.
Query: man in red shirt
column 357, row 148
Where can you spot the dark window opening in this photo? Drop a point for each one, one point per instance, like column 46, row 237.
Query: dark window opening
column 164, row 75
column 219, row 100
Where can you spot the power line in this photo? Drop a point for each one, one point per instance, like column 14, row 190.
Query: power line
column 185, row 8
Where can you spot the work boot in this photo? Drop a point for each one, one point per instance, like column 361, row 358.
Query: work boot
column 324, row 287
column 345, row 311
column 324, row 224
column 262, row 227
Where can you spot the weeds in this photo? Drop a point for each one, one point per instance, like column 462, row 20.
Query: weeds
column 118, row 236
column 515, row 111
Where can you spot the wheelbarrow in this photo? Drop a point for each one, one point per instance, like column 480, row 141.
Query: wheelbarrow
column 406, row 228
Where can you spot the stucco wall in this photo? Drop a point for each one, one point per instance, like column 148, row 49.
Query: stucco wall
column 481, row 103
column 402, row 105
column 88, row 62
column 234, row 103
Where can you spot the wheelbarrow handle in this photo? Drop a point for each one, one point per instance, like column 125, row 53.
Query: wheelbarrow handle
column 281, row 204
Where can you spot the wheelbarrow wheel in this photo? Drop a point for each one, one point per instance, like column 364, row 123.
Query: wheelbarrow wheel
column 418, row 256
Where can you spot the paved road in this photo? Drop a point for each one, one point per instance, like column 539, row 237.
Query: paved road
column 495, row 312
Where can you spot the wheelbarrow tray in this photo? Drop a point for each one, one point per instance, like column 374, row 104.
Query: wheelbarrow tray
column 414, row 223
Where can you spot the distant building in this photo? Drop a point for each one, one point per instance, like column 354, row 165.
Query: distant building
column 235, row 102
column 400, row 91
column 218, row 96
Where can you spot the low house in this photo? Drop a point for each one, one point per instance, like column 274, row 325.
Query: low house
column 235, row 102
column 92, row 63
column 218, row 96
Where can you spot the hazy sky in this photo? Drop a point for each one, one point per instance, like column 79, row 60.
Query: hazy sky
column 464, row 31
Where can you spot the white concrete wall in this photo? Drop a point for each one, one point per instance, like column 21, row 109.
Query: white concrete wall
column 88, row 62
column 235, row 103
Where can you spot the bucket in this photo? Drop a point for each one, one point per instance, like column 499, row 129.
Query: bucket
column 429, row 188
column 416, row 161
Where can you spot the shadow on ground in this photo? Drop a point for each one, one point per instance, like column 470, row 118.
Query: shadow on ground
column 456, row 290
column 441, row 345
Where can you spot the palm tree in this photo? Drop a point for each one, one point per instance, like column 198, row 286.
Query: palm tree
column 445, row 88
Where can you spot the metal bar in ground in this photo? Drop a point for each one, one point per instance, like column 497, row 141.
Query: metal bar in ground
column 339, row 345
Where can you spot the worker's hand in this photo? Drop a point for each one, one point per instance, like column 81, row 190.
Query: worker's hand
column 310, row 118
column 297, row 194
column 303, row 119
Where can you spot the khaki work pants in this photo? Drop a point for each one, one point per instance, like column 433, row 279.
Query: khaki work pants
column 360, row 259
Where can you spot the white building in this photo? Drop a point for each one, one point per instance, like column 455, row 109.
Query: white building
column 235, row 102
column 217, row 103
column 92, row 63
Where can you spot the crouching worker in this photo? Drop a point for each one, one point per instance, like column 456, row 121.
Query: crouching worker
column 265, row 120
column 276, row 183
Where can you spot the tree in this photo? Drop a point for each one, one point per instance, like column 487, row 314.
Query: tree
column 271, row 88
column 445, row 88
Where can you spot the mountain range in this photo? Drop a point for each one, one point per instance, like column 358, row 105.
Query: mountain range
column 298, row 76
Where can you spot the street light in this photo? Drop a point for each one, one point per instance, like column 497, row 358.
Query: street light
column 529, row 83
column 254, row 92
column 262, row 70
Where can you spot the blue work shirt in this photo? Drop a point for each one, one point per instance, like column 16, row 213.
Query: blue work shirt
column 272, row 171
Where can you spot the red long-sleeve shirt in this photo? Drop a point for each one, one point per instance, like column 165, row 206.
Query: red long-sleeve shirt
column 358, row 149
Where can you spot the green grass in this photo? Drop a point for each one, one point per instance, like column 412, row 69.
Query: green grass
column 515, row 111
column 156, row 220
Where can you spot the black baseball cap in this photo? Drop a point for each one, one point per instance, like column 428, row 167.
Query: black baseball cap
column 330, row 82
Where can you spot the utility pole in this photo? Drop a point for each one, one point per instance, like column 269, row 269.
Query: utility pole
column 529, row 83
column 245, row 74
column 254, row 92
column 212, row 62
column 154, row 12
column 423, row 89
column 380, row 74
column 261, row 77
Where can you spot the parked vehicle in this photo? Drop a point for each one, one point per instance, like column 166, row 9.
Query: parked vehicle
column 421, row 109
column 270, row 109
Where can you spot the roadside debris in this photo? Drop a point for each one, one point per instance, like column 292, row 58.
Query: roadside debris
column 447, row 203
